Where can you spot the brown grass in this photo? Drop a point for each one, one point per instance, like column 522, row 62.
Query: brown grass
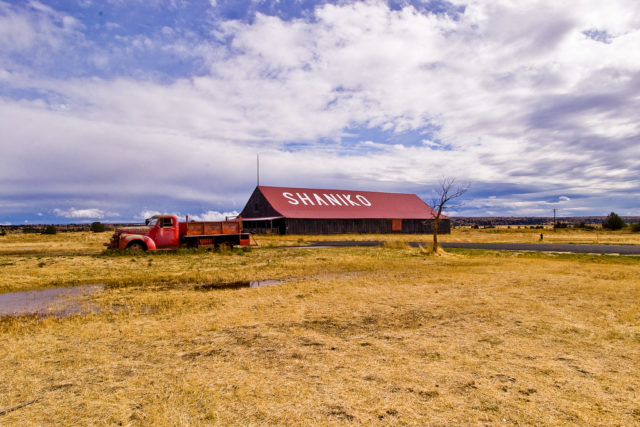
column 386, row 335
column 52, row 244
column 497, row 235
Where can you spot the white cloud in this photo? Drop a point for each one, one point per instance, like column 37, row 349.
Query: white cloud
column 205, row 216
column 80, row 213
column 33, row 29
column 145, row 214
column 515, row 90
column 214, row 216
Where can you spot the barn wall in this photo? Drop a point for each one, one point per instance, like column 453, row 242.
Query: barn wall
column 276, row 226
column 258, row 207
column 444, row 226
column 361, row 226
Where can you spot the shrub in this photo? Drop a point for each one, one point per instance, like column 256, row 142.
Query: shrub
column 97, row 227
column 613, row 222
column 49, row 229
column 3, row 232
column 636, row 227
column 561, row 225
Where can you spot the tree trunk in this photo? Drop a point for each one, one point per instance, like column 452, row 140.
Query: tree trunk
column 435, row 234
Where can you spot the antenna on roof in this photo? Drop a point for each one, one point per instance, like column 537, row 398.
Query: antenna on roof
column 258, row 168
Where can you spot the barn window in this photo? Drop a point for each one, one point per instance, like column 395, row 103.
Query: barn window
column 396, row 225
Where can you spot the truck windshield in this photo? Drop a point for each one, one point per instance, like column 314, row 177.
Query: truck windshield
column 152, row 222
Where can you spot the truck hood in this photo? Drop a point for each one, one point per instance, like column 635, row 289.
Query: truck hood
column 141, row 229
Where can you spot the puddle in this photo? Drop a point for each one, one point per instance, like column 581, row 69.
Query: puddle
column 239, row 284
column 59, row 302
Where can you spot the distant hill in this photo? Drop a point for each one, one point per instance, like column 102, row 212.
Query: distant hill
column 533, row 220
column 60, row 228
column 459, row 221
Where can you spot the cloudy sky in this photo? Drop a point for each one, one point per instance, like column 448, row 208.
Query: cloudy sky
column 113, row 109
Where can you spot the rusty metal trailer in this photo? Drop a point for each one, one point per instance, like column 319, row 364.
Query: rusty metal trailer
column 210, row 234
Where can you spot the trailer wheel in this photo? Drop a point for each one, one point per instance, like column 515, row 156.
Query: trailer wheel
column 136, row 247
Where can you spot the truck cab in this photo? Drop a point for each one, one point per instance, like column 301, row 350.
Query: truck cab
column 163, row 229
column 160, row 232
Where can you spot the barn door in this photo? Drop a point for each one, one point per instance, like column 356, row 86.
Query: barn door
column 396, row 225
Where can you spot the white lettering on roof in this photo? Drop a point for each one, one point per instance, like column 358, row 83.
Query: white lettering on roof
column 348, row 198
column 363, row 200
column 322, row 199
column 292, row 199
column 319, row 200
column 304, row 199
column 332, row 200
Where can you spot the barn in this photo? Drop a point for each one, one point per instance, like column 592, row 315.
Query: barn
column 283, row 210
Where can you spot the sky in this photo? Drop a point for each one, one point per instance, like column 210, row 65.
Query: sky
column 114, row 110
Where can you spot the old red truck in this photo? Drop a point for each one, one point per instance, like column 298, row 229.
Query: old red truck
column 167, row 232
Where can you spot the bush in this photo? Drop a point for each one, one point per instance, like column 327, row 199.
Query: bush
column 49, row 229
column 561, row 225
column 3, row 232
column 636, row 228
column 613, row 222
column 97, row 227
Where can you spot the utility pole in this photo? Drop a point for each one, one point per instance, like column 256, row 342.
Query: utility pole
column 258, row 169
column 554, row 219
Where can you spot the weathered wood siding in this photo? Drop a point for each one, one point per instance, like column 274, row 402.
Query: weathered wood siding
column 342, row 226
column 276, row 226
column 258, row 207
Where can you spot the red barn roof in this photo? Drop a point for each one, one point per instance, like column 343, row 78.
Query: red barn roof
column 340, row 204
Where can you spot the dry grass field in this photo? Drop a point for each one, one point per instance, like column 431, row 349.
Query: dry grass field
column 384, row 335
column 496, row 235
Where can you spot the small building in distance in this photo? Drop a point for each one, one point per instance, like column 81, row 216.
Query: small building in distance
column 282, row 210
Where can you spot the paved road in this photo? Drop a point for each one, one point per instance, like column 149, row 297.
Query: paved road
column 536, row 247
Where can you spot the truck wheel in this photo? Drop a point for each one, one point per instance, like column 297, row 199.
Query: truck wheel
column 136, row 247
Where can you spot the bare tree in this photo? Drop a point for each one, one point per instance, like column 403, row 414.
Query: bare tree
column 446, row 192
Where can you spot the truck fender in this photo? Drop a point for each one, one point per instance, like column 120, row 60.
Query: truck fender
column 148, row 241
